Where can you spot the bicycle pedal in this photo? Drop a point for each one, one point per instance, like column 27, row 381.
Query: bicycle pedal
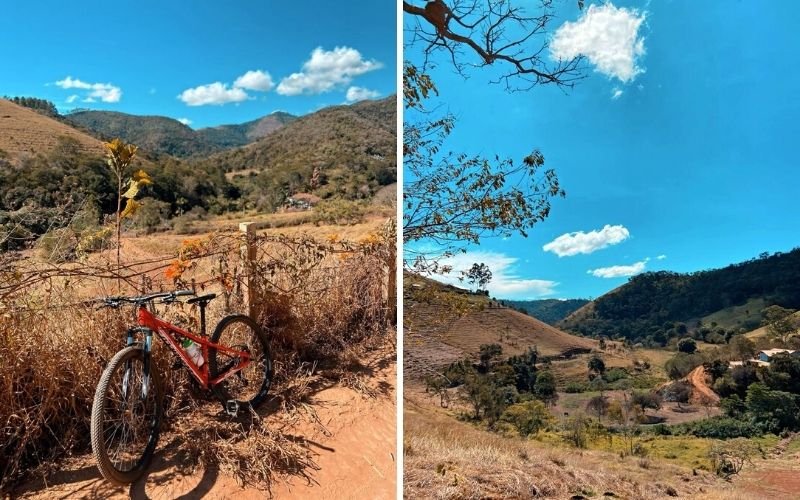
column 232, row 407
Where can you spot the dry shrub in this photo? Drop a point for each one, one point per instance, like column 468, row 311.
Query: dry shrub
column 323, row 304
column 320, row 307
column 50, row 362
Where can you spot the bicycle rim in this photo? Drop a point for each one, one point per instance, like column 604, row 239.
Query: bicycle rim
column 249, row 385
column 125, row 417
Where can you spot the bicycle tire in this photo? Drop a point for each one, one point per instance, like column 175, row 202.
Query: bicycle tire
column 263, row 366
column 100, row 408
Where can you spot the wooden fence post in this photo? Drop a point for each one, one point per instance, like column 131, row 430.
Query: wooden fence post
column 390, row 284
column 249, row 255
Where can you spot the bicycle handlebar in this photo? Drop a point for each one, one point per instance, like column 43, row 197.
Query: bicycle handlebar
column 141, row 299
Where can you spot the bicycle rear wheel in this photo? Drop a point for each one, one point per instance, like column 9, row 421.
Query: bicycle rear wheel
column 126, row 415
column 250, row 385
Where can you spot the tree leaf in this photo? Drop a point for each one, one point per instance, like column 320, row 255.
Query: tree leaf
column 131, row 207
column 133, row 190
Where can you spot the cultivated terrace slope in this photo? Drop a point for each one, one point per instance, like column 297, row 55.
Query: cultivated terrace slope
column 443, row 324
column 24, row 132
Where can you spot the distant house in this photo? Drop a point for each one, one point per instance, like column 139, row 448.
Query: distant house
column 302, row 201
column 767, row 354
column 751, row 362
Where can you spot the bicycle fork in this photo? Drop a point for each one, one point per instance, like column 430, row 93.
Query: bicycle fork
column 146, row 348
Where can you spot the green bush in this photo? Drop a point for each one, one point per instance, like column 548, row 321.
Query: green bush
column 575, row 387
column 720, row 428
column 339, row 212
column 152, row 215
column 528, row 418
column 615, row 374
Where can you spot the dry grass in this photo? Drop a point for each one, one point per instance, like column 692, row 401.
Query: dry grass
column 26, row 132
column 321, row 310
column 448, row 459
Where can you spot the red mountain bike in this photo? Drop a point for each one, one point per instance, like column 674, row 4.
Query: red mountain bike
column 234, row 364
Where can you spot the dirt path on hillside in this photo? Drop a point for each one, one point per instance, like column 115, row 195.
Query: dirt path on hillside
column 355, row 455
column 777, row 477
column 697, row 378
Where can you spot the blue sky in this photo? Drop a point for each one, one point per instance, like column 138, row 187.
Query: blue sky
column 677, row 152
column 231, row 61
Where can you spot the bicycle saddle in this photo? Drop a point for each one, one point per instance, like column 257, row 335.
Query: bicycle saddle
column 202, row 299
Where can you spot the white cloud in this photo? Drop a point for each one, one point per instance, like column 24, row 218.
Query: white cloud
column 570, row 244
column 106, row 92
column 216, row 93
column 185, row 121
column 255, row 80
column 661, row 257
column 72, row 98
column 619, row 271
column 616, row 93
column 327, row 70
column 360, row 93
column 607, row 36
column 505, row 283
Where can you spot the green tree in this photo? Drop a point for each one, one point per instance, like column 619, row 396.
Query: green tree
column 780, row 322
column 487, row 353
column 596, row 365
column 742, row 348
column 687, row 345
column 480, row 275
column 528, row 417
column 545, row 387
column 598, row 406
column 775, row 411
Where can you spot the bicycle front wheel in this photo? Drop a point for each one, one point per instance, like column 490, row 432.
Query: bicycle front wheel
column 126, row 415
column 250, row 385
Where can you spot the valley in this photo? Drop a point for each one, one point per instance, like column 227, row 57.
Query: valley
column 570, row 415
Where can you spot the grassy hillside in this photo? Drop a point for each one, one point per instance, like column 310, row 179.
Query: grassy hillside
column 551, row 311
column 447, row 458
column 25, row 132
column 443, row 324
column 655, row 307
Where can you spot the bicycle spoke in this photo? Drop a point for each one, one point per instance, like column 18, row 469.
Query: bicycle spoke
column 129, row 417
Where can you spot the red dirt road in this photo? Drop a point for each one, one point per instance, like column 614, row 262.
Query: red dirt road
column 697, row 378
column 355, row 458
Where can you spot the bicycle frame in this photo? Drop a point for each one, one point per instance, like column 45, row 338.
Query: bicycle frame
column 168, row 332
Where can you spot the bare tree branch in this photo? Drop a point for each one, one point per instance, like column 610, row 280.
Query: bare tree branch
column 496, row 31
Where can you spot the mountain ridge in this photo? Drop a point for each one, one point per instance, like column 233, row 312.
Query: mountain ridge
column 655, row 307
column 164, row 135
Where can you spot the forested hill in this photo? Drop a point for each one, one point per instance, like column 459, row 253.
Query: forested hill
column 551, row 311
column 647, row 308
column 163, row 135
column 354, row 148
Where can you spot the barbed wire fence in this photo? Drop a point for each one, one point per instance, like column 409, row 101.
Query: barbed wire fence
column 246, row 268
